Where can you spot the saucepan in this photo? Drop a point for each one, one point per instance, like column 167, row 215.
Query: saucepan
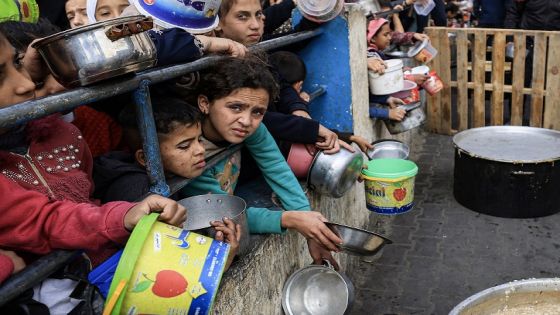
column 388, row 149
column 214, row 207
column 95, row 52
column 318, row 290
column 334, row 174
column 357, row 241
column 414, row 117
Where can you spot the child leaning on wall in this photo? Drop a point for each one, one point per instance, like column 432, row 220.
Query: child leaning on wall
column 45, row 179
column 291, row 72
column 233, row 96
column 122, row 175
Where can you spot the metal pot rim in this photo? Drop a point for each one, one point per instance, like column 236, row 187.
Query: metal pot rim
column 86, row 28
column 387, row 241
column 227, row 196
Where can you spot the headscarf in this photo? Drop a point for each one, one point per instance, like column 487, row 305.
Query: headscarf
column 90, row 9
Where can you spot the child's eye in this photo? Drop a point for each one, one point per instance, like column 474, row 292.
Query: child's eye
column 258, row 113
column 236, row 108
column 104, row 13
column 259, row 15
column 242, row 17
column 185, row 146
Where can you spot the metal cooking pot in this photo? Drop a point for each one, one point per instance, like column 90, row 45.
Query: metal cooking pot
column 414, row 117
column 388, row 149
column 508, row 171
column 334, row 174
column 357, row 241
column 95, row 52
column 212, row 207
column 318, row 290
column 528, row 293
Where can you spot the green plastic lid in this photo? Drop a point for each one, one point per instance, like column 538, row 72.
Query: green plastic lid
column 390, row 168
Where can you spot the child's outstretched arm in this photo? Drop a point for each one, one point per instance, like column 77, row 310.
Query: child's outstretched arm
column 229, row 232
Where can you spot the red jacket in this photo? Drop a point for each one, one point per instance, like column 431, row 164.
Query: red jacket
column 45, row 197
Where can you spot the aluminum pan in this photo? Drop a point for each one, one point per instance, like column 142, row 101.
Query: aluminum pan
column 513, row 144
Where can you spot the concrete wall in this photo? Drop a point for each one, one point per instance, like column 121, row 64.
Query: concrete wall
column 254, row 284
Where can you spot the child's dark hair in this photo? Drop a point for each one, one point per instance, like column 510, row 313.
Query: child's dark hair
column 169, row 113
column 21, row 34
column 225, row 7
column 231, row 73
column 290, row 66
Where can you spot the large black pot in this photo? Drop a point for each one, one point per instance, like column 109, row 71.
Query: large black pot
column 508, row 171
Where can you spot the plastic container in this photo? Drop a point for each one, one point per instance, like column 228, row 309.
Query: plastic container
column 194, row 16
column 408, row 86
column 103, row 274
column 389, row 185
column 320, row 11
column 166, row 270
column 423, row 51
column 300, row 158
column 391, row 81
column 434, row 84
column 424, row 7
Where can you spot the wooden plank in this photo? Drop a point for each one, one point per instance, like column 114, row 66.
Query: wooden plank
column 444, row 57
column 539, row 72
column 434, row 102
column 552, row 108
column 489, row 87
column 518, row 75
column 462, row 79
column 479, row 60
column 488, row 66
column 498, row 60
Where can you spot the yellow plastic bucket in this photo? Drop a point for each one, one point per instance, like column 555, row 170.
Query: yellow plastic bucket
column 166, row 270
column 389, row 185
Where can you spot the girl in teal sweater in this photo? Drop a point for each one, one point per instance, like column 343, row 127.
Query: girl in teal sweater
column 234, row 95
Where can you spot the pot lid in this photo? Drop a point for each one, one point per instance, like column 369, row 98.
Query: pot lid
column 418, row 46
column 513, row 144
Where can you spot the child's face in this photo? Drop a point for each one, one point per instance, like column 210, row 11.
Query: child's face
column 182, row 154
column 383, row 38
column 76, row 12
column 234, row 117
column 15, row 83
column 243, row 23
column 109, row 9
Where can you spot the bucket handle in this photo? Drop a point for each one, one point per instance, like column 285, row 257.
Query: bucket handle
column 112, row 301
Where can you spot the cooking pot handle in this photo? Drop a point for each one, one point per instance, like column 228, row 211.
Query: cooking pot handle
column 123, row 30
column 412, row 106
column 327, row 263
column 522, row 173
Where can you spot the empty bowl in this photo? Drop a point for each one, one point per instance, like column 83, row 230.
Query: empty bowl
column 388, row 149
column 357, row 241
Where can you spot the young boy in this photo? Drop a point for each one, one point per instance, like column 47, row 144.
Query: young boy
column 291, row 71
column 45, row 179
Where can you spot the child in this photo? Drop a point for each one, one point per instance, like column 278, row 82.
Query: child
column 292, row 72
column 76, row 12
column 45, row 179
column 233, row 96
column 101, row 10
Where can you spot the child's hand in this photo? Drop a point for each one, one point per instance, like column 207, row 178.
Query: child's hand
column 304, row 96
column 397, row 114
column 229, row 232
column 319, row 253
column 376, row 65
column 170, row 211
column 420, row 78
column 311, row 224
column 18, row 262
column 420, row 37
column 362, row 143
column 301, row 113
column 394, row 102
column 222, row 45
column 327, row 140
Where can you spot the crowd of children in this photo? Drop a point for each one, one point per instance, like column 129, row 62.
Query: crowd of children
column 78, row 180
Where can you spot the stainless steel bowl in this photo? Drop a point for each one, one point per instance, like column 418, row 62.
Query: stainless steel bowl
column 317, row 290
column 203, row 209
column 95, row 52
column 357, row 241
column 388, row 149
column 524, row 295
column 334, row 174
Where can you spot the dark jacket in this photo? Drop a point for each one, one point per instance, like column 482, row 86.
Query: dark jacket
column 534, row 15
column 491, row 13
column 117, row 176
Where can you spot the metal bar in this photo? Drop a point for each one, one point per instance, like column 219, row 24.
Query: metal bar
column 147, row 128
column 321, row 89
column 34, row 273
column 29, row 110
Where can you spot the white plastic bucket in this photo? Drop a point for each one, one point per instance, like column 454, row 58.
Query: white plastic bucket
column 390, row 82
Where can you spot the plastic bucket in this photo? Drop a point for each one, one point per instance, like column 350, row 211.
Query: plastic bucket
column 389, row 185
column 391, row 81
column 166, row 270
column 195, row 16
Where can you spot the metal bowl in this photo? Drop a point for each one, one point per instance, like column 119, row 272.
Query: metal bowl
column 388, row 149
column 203, row 209
column 317, row 290
column 334, row 174
column 95, row 52
column 357, row 241
column 527, row 295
